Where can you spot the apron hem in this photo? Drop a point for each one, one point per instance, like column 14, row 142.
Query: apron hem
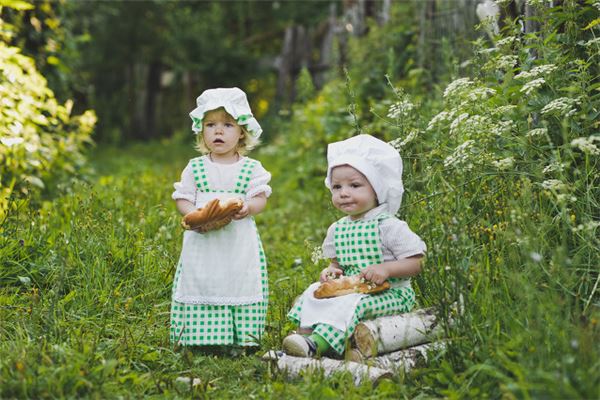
column 223, row 301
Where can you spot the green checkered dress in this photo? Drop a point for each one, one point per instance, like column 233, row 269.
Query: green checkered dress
column 209, row 324
column 357, row 245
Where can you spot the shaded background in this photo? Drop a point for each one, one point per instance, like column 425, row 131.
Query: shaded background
column 141, row 64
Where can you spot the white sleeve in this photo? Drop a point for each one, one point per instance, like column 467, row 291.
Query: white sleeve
column 397, row 237
column 186, row 188
column 259, row 182
column 329, row 244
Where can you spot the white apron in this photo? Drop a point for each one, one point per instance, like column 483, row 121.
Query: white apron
column 335, row 311
column 221, row 267
column 357, row 246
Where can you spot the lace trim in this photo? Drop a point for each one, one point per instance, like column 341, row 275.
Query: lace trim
column 216, row 300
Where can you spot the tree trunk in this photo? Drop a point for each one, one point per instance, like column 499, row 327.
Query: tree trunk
column 424, row 47
column 284, row 64
column 319, row 71
column 384, row 15
column 387, row 334
column 295, row 366
column 153, row 90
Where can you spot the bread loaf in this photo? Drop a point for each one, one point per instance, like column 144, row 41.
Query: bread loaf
column 347, row 285
column 214, row 215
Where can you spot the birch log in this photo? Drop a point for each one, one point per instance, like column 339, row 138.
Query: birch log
column 387, row 334
column 406, row 359
column 295, row 366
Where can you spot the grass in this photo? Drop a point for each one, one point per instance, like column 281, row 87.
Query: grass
column 86, row 283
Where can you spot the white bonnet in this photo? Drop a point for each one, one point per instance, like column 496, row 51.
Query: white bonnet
column 233, row 100
column 379, row 162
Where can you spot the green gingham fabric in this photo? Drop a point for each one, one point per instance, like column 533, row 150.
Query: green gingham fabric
column 206, row 324
column 357, row 245
column 240, row 186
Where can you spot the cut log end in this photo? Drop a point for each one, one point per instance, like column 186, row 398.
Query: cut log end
column 365, row 341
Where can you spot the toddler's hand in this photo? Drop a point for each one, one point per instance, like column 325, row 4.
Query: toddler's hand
column 375, row 273
column 330, row 272
column 243, row 213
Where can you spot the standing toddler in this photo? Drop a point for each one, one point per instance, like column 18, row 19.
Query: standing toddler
column 220, row 290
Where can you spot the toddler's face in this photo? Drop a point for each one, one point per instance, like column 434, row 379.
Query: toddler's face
column 351, row 192
column 221, row 133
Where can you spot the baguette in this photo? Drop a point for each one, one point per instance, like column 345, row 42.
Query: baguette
column 214, row 215
column 347, row 285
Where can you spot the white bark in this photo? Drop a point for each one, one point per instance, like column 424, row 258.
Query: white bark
column 295, row 366
column 395, row 332
column 406, row 359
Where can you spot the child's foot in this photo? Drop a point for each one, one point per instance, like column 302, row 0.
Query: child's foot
column 299, row 346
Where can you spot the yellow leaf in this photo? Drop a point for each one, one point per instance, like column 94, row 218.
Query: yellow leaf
column 592, row 24
column 52, row 60
column 16, row 4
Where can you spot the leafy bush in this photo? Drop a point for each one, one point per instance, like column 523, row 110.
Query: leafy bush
column 41, row 142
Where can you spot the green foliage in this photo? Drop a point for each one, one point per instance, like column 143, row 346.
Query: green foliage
column 501, row 176
column 86, row 293
column 169, row 52
column 42, row 143
column 42, row 31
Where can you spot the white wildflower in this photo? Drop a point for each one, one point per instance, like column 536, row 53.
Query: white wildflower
column 565, row 197
column 460, row 155
column 562, row 105
column 537, row 132
column 597, row 5
column 502, row 128
column 587, row 145
column 507, row 41
column 400, row 109
column 533, row 85
column 555, row 166
column 480, row 93
column 504, row 164
column 443, row 116
column 537, row 257
column 457, row 121
column 553, row 184
column 400, row 143
column 535, row 72
column 544, row 69
column 487, row 51
column 507, row 109
column 505, row 62
column 472, row 125
column 457, row 86
column 317, row 254
column 588, row 226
